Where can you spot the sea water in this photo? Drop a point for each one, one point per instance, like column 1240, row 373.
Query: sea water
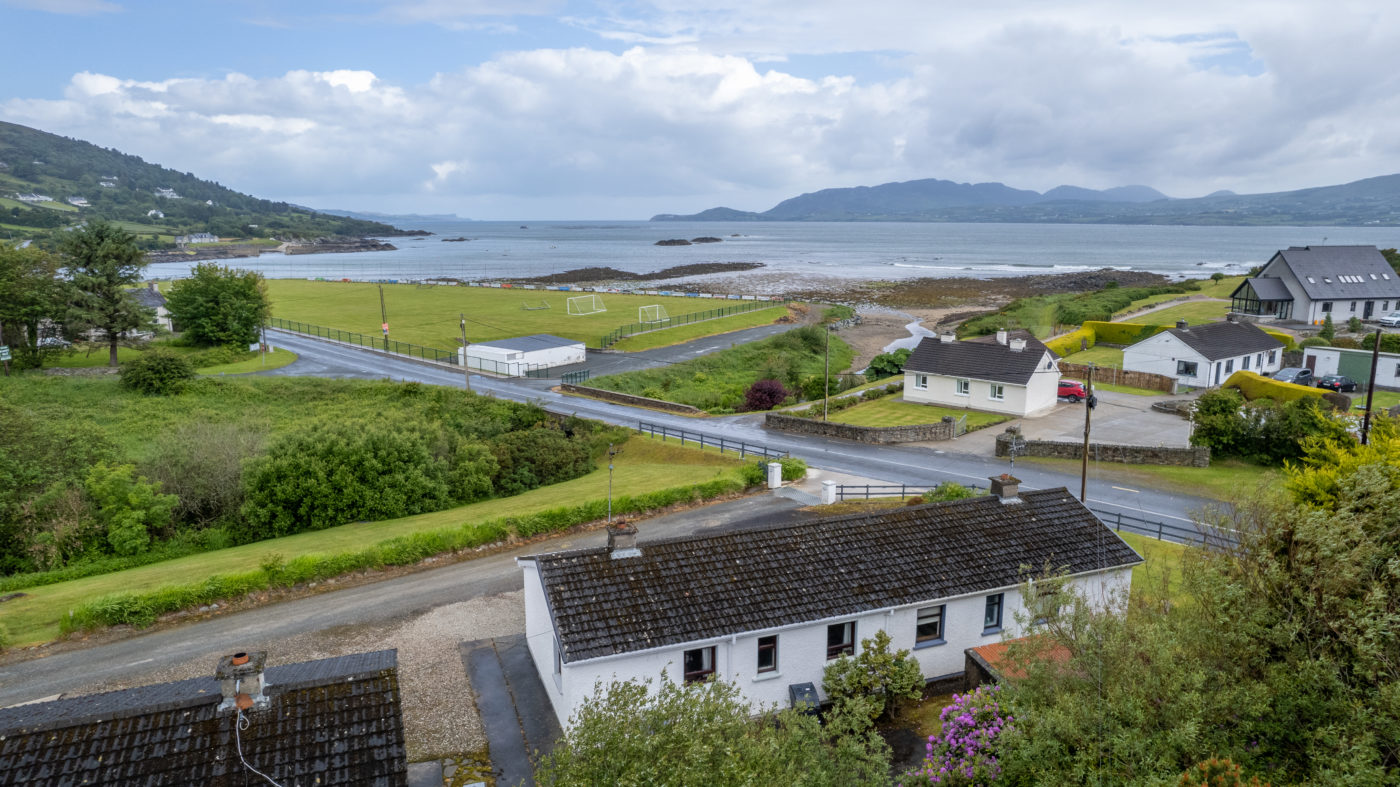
column 858, row 250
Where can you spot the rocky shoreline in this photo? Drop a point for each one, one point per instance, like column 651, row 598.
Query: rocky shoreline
column 610, row 276
column 328, row 246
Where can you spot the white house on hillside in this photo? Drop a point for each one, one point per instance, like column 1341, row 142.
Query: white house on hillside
column 768, row 608
column 1013, row 374
column 1204, row 355
column 1309, row 282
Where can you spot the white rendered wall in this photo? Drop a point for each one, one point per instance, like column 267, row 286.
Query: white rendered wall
column 943, row 391
column 1159, row 354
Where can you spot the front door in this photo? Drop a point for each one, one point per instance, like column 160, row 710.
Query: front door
column 1370, row 308
column 1311, row 363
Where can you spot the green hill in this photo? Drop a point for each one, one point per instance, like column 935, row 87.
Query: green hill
column 124, row 188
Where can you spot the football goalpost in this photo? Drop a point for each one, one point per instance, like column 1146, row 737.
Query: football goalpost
column 586, row 304
column 652, row 314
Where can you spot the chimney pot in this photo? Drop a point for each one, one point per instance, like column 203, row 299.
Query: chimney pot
column 948, row 337
column 241, row 683
column 1017, row 345
column 1181, row 325
column 622, row 541
column 1001, row 337
column 1006, row 486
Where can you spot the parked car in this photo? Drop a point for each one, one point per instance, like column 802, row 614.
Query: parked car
column 1294, row 374
column 1072, row 390
column 1392, row 319
column 1337, row 382
column 55, row 341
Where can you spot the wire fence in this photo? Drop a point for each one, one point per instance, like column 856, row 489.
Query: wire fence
column 618, row 334
column 366, row 340
column 743, row 449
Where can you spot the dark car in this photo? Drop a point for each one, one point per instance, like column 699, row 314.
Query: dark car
column 1337, row 382
column 1072, row 390
column 1294, row 374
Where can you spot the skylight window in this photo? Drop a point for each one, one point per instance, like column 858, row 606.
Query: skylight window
column 1385, row 276
column 1326, row 280
column 1373, row 277
column 1311, row 280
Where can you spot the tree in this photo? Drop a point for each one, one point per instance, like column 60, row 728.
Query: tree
column 157, row 373
column 1329, row 331
column 102, row 261
column 887, row 364
column 30, row 292
column 128, row 505
column 219, row 305
column 765, row 395
column 879, row 678
column 704, row 734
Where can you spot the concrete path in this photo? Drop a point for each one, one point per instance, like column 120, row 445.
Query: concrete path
column 1126, row 419
column 520, row 723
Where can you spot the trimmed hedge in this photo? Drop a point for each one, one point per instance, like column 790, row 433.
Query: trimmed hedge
column 1288, row 341
column 1069, row 343
column 142, row 608
column 1253, row 386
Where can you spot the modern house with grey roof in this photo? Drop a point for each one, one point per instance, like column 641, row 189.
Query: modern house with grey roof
column 768, row 608
column 519, row 355
column 1201, row 356
column 1016, row 374
column 334, row 721
column 1307, row 283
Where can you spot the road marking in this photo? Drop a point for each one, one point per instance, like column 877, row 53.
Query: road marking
column 1126, row 489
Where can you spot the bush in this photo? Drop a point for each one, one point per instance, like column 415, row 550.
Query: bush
column 1253, row 386
column 1390, row 342
column 1124, row 333
column 1314, row 341
column 534, row 457
column 1216, row 773
column 1266, row 431
column 218, row 305
column 754, row 473
column 965, row 750
column 1329, row 330
column 887, row 364
column 764, row 395
column 949, row 490
column 794, row 469
column 1346, row 342
column 157, row 373
column 201, row 463
column 1354, row 325
column 128, row 506
column 876, row 677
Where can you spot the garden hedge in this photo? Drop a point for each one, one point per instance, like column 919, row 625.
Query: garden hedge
column 1253, row 386
column 1124, row 333
column 1069, row 343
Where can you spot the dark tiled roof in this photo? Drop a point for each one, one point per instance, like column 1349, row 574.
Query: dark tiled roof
column 1226, row 339
column 537, row 341
column 1341, row 272
column 1269, row 289
column 147, row 297
column 701, row 587
column 329, row 722
column 978, row 360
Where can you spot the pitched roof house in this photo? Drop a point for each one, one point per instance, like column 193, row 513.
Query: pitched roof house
column 1204, row 355
column 150, row 297
column 1309, row 282
column 328, row 722
column 1012, row 373
column 768, row 607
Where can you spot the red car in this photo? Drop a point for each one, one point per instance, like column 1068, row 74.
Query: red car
column 1072, row 390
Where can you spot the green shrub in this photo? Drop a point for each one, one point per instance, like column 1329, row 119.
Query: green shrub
column 1313, row 341
column 1329, row 330
column 157, row 373
column 887, row 364
column 1354, row 324
column 949, row 490
column 1124, row 333
column 1346, row 342
column 1390, row 342
column 794, row 469
column 1255, row 387
column 535, row 457
column 754, row 473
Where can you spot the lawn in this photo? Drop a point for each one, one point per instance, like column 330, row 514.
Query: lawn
column 697, row 330
column 1162, row 564
column 1194, row 313
column 894, row 411
column 1102, row 355
column 1225, row 479
column 257, row 363
column 85, row 355
column 429, row 316
column 1380, row 401
column 644, row 465
column 1222, row 288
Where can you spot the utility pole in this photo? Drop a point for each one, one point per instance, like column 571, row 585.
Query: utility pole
column 611, row 453
column 384, row 318
column 826, row 373
column 466, row 371
column 1371, row 388
column 1088, row 406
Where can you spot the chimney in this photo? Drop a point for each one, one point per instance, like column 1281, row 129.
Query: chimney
column 948, row 337
column 1005, row 486
column 1181, row 325
column 153, row 287
column 622, row 541
column 1017, row 345
column 1001, row 337
column 1232, row 317
column 241, row 681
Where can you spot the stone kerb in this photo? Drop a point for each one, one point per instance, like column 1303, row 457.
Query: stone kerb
column 628, row 399
column 878, row 435
column 1193, row 456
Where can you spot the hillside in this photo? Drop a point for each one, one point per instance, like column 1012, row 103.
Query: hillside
column 1374, row 201
column 86, row 181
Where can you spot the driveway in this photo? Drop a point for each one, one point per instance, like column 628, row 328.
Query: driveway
column 1124, row 419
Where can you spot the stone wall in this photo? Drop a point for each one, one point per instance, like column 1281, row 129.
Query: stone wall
column 628, row 399
column 880, row 435
column 1193, row 456
column 1151, row 382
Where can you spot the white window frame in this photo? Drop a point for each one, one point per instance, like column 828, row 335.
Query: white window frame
column 1188, row 368
column 936, row 615
column 847, row 647
column 963, row 387
column 921, row 381
column 996, row 391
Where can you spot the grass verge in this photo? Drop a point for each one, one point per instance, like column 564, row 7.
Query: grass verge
column 697, row 330
column 274, row 360
column 1098, row 355
column 1225, row 479
column 895, row 412
column 644, row 479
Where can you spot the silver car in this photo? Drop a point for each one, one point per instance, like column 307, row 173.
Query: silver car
column 1392, row 319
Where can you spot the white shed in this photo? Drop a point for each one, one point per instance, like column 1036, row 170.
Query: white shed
column 516, row 356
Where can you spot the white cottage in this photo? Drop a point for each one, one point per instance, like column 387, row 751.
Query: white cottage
column 1014, row 374
column 515, row 357
column 1205, row 355
column 769, row 608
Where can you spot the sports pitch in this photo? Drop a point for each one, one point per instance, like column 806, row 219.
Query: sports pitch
column 429, row 315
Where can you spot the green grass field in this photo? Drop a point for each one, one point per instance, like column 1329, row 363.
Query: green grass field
column 1225, row 479
column 1194, row 313
column 1161, row 567
column 258, row 363
column 697, row 330
column 644, row 465
column 894, row 411
column 1098, row 354
column 429, row 315
column 87, row 355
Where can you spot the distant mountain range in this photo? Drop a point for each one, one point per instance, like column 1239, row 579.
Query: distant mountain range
column 1374, row 201
column 391, row 218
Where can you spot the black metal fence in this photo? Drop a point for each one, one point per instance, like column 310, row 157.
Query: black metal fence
column 574, row 378
column 743, row 449
column 635, row 328
column 866, row 491
column 366, row 340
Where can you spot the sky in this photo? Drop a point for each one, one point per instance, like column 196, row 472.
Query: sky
column 620, row 109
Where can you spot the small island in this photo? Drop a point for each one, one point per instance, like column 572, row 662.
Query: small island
column 673, row 242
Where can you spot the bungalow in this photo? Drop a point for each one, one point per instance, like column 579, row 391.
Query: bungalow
column 1204, row 355
column 768, row 608
column 1308, row 283
column 166, row 193
column 1014, row 374
column 151, row 298
column 79, row 202
column 197, row 237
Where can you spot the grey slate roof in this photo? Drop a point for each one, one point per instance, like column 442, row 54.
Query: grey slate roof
column 1341, row 272
column 702, row 587
column 1268, row 289
column 1220, row 340
column 330, row 722
column 978, row 360
column 537, row 341
column 147, row 297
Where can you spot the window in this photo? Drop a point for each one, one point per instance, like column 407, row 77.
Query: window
column 997, row 391
column 991, row 621
column 1186, row 368
column 558, row 659
column 1272, row 355
column 1046, row 601
column 1385, row 306
column 1244, row 363
column 964, row 387
column 929, row 630
column 840, row 640
column 768, row 653
column 1353, row 305
column 1230, row 366
column 1397, row 370
column 699, row 664
column 920, row 381
column 1327, row 306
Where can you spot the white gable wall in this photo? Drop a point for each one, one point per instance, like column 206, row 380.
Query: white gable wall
column 801, row 648
column 1036, row 397
column 1160, row 354
column 500, row 360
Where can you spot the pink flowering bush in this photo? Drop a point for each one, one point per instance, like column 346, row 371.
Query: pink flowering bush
column 964, row 752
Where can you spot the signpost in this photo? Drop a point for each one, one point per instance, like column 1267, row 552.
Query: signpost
column 5, row 356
